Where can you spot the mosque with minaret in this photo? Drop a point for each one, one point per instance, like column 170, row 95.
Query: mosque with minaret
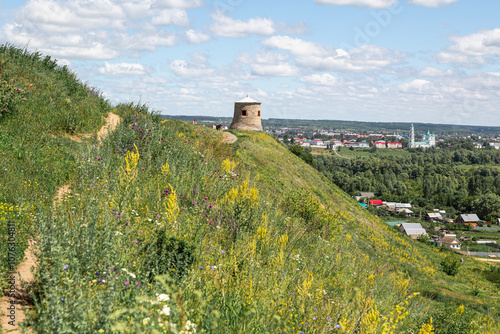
column 428, row 140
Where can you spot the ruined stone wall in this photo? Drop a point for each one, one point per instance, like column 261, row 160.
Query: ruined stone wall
column 252, row 120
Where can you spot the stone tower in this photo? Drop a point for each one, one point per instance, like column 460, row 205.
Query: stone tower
column 246, row 115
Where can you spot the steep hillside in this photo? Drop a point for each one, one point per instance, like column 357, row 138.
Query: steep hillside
column 167, row 229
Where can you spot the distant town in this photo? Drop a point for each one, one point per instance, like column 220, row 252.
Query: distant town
column 363, row 135
column 321, row 138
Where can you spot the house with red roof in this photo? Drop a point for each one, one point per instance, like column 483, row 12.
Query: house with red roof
column 394, row 145
column 376, row 202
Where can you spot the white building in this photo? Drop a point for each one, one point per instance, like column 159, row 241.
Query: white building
column 428, row 140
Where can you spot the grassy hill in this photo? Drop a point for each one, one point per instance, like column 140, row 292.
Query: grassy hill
column 167, row 229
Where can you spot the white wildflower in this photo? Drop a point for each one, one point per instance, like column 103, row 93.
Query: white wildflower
column 166, row 310
column 163, row 298
column 131, row 274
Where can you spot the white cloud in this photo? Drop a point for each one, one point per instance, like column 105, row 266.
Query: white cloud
column 179, row 3
column 197, row 67
column 228, row 27
column 317, row 57
column 359, row 3
column 123, row 69
column 432, row 3
column 417, row 86
column 296, row 46
column 53, row 16
column 451, row 58
column 482, row 43
column 197, row 37
column 167, row 17
column 276, row 70
column 144, row 41
column 473, row 49
column 430, row 71
column 325, row 79
column 269, row 64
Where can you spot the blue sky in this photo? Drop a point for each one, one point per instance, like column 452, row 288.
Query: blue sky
column 435, row 61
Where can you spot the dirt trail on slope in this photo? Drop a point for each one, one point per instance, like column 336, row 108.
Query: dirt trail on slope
column 229, row 138
column 24, row 270
column 12, row 318
column 112, row 122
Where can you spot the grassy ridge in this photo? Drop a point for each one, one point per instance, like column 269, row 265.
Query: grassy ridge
column 168, row 230
column 40, row 104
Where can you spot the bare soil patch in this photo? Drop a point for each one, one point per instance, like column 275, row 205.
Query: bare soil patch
column 229, row 138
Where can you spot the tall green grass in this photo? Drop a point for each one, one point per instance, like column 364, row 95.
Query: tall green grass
column 40, row 103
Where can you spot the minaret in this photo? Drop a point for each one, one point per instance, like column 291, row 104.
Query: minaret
column 411, row 144
column 246, row 115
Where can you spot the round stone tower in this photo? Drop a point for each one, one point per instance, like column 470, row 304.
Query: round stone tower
column 246, row 115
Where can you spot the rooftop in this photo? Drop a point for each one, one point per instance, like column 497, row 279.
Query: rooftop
column 247, row 100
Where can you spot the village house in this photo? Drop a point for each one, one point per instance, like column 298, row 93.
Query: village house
column 394, row 145
column 406, row 211
column 468, row 219
column 356, row 144
column 376, row 202
column 364, row 195
column 434, row 217
column 413, row 230
column 450, row 241
column 379, row 144
column 317, row 142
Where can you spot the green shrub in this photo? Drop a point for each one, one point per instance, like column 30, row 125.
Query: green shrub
column 450, row 265
column 299, row 151
column 168, row 255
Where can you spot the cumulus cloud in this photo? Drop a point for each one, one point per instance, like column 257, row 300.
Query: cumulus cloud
column 325, row 79
column 451, row 58
column 430, row 71
column 167, row 17
column 197, row 67
column 473, row 49
column 482, row 43
column 432, row 3
column 269, row 64
column 318, row 57
column 53, row 16
column 197, row 37
column 417, row 86
column 296, row 46
column 123, row 69
column 179, row 3
column 228, row 27
column 359, row 3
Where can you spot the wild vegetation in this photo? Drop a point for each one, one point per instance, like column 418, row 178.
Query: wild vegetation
column 166, row 229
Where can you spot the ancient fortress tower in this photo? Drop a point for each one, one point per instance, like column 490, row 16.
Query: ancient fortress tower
column 246, row 115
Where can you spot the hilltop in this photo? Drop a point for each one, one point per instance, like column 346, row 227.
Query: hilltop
column 167, row 228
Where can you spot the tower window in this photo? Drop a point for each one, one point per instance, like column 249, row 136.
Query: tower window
column 243, row 112
column 258, row 113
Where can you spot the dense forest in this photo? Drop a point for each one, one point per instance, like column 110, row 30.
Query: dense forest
column 460, row 180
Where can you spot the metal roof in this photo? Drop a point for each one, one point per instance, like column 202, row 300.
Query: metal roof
column 247, row 100
column 470, row 217
column 413, row 228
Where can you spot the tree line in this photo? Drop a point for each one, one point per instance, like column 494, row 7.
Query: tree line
column 461, row 180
